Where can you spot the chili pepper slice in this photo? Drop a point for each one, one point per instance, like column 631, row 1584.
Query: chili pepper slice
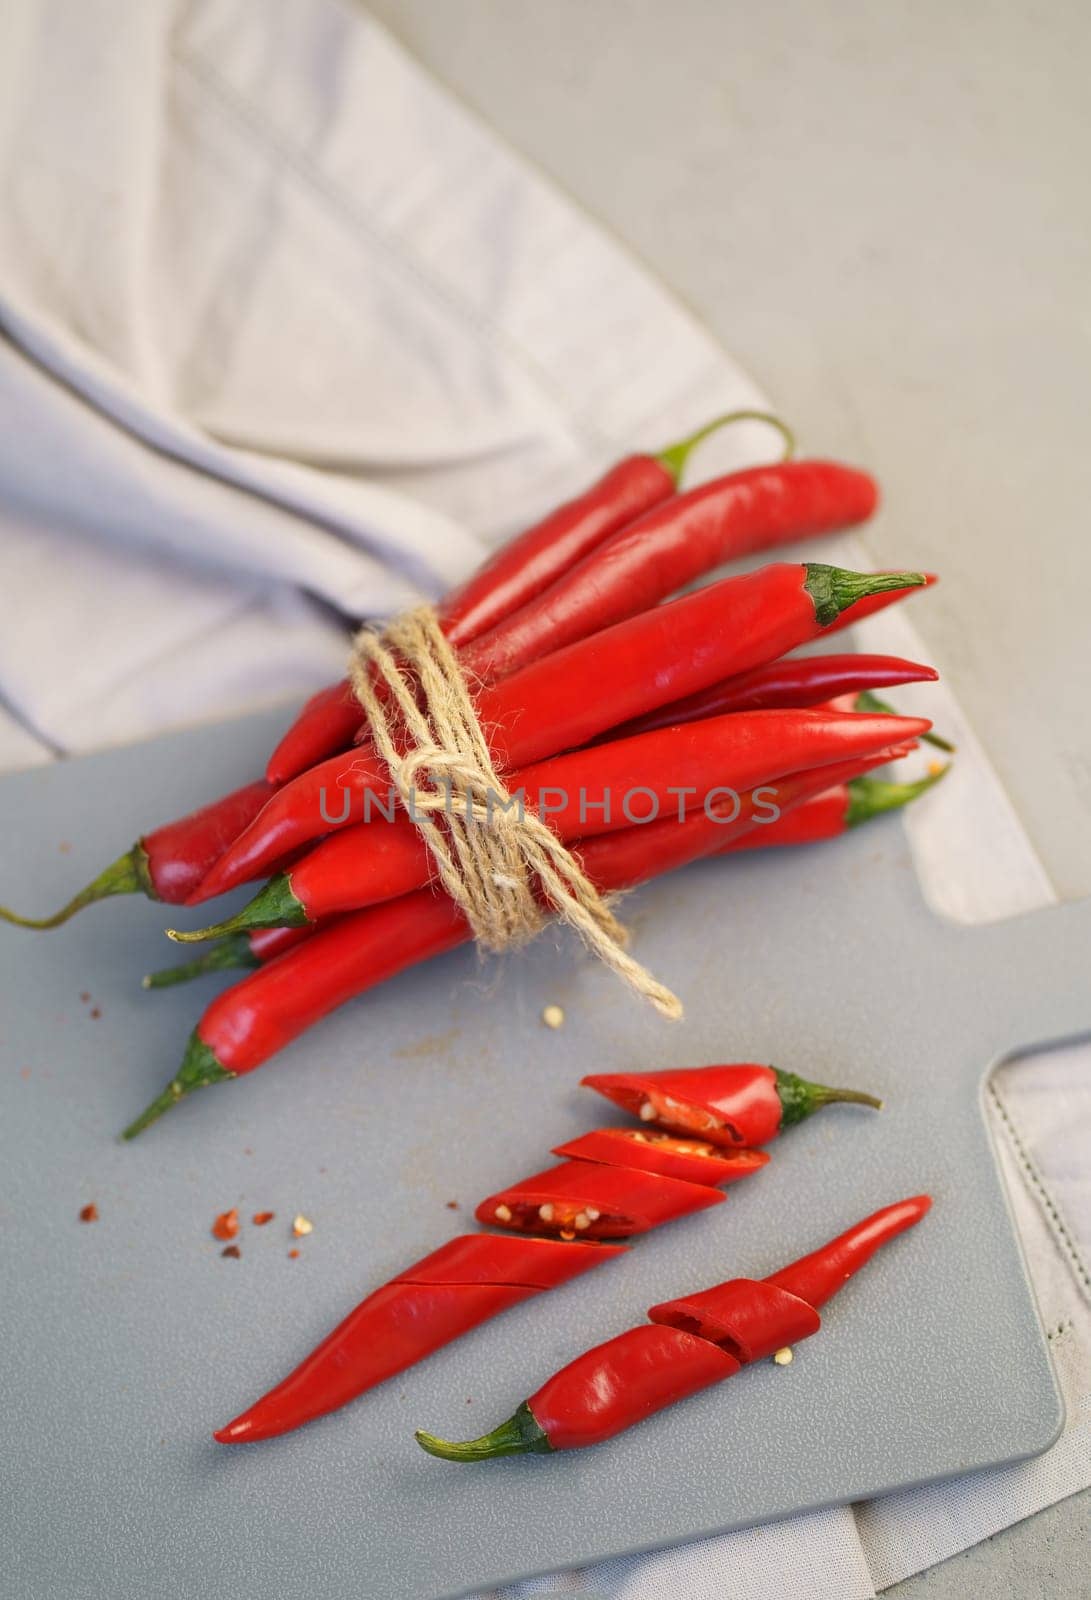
column 669, row 547
column 464, row 1283
column 581, row 793
column 170, row 862
column 693, row 641
column 511, row 576
column 691, row 1160
column 828, row 815
column 256, row 1017
column 740, row 1104
column 619, row 1383
column 238, row 950
column 594, row 1201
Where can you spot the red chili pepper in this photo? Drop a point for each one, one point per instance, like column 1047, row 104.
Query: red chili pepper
column 634, row 666
column 835, row 812
column 581, row 793
column 691, row 1343
column 238, row 950
column 170, row 863
column 514, row 574
column 865, row 701
column 256, row 1017
column 794, row 681
column 740, row 1104
column 595, row 1201
column 872, row 603
column 691, row 1160
column 464, row 1283
column 671, row 546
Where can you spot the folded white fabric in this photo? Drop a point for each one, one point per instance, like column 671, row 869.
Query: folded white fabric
column 287, row 338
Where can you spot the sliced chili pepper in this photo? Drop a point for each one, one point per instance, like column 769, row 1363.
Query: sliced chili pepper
column 586, row 792
column 828, row 815
column 256, row 1017
column 619, row 1383
column 462, row 1284
column 169, row 863
column 669, row 547
column 594, row 1201
column 238, row 950
column 792, row 682
column 740, row 1104
column 691, row 1160
column 634, row 666
column 512, row 575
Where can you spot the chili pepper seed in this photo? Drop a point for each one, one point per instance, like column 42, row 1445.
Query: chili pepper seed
column 783, row 1358
column 301, row 1226
column 553, row 1016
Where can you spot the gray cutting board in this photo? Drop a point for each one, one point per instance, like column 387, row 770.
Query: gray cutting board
column 125, row 1342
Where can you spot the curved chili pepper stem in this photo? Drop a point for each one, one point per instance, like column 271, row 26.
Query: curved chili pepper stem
column 870, row 797
column 834, row 589
column 232, row 952
column 275, row 906
column 867, row 701
column 127, row 875
column 519, row 1436
column 800, row 1099
column 673, row 459
column 199, row 1067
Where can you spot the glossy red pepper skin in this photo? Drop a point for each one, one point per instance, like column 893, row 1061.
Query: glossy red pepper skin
column 634, row 666
column 690, row 1160
column 825, row 816
column 464, row 1283
column 621, row 1382
column 627, row 1201
column 669, row 547
column 780, row 685
column 585, row 792
column 735, row 1105
column 510, row 577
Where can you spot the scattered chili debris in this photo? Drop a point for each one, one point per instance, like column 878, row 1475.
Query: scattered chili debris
column 293, row 1255
column 226, row 1225
column 260, row 1218
column 89, row 1212
column 452, row 1205
column 95, row 1012
column 935, row 768
column 553, row 1016
column 783, row 1358
column 85, row 996
column 233, row 1251
column 302, row 1226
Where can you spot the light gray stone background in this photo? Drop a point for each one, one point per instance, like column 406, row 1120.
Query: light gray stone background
column 884, row 212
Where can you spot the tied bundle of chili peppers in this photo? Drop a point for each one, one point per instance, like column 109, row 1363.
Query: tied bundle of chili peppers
column 613, row 1183
column 592, row 684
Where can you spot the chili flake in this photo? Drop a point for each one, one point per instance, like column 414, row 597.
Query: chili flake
column 260, row 1218
column 293, row 1255
column 233, row 1251
column 226, row 1225
column 89, row 1212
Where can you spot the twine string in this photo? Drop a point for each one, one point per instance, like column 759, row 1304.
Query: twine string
column 490, row 850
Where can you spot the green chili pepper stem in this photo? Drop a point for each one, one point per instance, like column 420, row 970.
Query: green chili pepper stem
column 127, row 875
column 519, row 1436
column 870, row 797
column 199, row 1067
column 834, row 589
column 800, row 1099
column 673, row 459
column 234, row 951
column 866, row 701
column 274, row 906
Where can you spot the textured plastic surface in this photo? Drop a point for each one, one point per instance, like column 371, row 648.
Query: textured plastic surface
column 126, row 1341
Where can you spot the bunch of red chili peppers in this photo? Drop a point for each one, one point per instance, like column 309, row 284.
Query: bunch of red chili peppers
column 591, row 683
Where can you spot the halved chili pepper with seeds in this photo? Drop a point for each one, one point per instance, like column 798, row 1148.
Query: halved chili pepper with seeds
column 738, row 1104
column 463, row 1283
column 690, row 1160
column 594, row 1201
column 690, row 1344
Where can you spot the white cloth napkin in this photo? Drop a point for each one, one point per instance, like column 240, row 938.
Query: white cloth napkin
column 287, row 338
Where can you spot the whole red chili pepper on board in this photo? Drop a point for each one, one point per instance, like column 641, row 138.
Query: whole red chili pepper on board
column 581, row 793
column 672, row 545
column 690, row 1344
column 262, row 1013
column 742, row 1104
column 829, row 815
column 516, row 572
column 634, row 666
column 169, row 863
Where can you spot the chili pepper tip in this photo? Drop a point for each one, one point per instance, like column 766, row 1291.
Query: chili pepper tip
column 867, row 701
column 673, row 459
column 127, row 875
column 274, row 906
column 228, row 953
column 519, row 1436
column 199, row 1067
column 834, row 589
column 870, row 797
column 799, row 1098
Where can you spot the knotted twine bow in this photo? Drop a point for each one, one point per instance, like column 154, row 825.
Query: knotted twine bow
column 489, row 850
